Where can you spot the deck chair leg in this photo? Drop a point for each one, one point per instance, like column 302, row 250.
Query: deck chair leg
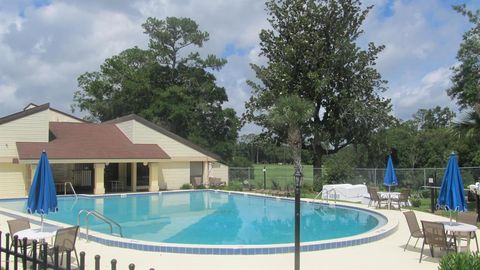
column 421, row 253
column 407, row 243
column 76, row 256
column 416, row 242
column 476, row 240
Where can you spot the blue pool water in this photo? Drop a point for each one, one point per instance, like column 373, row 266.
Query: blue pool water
column 214, row 218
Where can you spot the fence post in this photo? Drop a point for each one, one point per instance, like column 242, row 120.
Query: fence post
column 424, row 177
column 24, row 255
column 34, row 254
column 82, row 261
column 114, row 264
column 45, row 255
column 0, row 248
column 97, row 262
column 69, row 260
column 7, row 253
column 55, row 258
column 375, row 176
column 15, row 252
column 131, row 266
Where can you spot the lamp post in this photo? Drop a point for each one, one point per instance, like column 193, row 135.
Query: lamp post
column 264, row 178
column 298, row 182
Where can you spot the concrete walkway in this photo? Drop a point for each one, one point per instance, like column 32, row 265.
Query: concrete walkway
column 383, row 254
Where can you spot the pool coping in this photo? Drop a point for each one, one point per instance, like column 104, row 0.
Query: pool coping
column 200, row 249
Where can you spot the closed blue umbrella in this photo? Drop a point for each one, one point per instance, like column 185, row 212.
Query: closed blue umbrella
column 452, row 196
column 390, row 179
column 42, row 197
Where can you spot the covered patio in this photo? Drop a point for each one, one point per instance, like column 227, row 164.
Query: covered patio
column 96, row 158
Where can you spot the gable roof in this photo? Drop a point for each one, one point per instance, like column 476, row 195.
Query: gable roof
column 35, row 109
column 165, row 132
column 88, row 141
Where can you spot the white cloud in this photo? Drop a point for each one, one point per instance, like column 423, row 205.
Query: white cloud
column 45, row 49
column 427, row 94
column 7, row 95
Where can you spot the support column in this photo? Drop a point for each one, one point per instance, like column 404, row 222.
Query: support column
column 205, row 174
column 153, row 176
column 30, row 175
column 99, row 187
column 134, row 176
column 122, row 175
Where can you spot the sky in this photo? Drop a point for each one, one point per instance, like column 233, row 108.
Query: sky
column 46, row 44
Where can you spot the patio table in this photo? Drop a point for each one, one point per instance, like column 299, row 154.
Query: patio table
column 458, row 227
column 37, row 233
column 389, row 195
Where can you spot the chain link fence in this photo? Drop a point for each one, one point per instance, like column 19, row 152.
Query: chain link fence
column 274, row 177
column 281, row 176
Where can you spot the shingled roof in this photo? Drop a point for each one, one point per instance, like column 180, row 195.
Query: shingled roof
column 88, row 141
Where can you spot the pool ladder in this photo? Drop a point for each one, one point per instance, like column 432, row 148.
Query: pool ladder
column 71, row 186
column 327, row 193
column 101, row 217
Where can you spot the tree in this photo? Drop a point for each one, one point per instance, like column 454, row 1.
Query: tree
column 164, row 85
column 466, row 76
column 311, row 53
column 291, row 113
column 433, row 118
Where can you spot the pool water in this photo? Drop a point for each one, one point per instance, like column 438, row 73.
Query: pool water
column 214, row 218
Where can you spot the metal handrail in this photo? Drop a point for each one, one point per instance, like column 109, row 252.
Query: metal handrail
column 100, row 216
column 71, row 186
column 327, row 191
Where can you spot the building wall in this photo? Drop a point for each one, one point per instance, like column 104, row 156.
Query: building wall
column 13, row 180
column 32, row 128
column 139, row 133
column 58, row 117
column 174, row 174
column 219, row 170
column 127, row 129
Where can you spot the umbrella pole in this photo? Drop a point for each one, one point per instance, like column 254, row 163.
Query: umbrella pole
column 450, row 217
column 41, row 222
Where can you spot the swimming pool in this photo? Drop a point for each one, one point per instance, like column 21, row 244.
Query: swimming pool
column 213, row 218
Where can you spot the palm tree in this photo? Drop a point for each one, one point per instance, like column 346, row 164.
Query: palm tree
column 469, row 126
column 291, row 113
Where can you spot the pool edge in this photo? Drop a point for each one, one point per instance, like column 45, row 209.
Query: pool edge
column 374, row 235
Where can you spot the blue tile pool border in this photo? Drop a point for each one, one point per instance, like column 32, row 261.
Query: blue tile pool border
column 223, row 250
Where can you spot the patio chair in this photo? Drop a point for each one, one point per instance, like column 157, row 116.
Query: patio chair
column 435, row 236
column 65, row 240
column 216, row 182
column 197, row 181
column 402, row 198
column 17, row 225
column 375, row 198
column 468, row 218
column 413, row 226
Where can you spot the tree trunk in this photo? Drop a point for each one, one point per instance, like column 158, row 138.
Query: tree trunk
column 295, row 143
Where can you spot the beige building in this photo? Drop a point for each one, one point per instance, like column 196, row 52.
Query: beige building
column 124, row 154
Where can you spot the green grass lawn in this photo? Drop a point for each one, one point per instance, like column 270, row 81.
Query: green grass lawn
column 280, row 174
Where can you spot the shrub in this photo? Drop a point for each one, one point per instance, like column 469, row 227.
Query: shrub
column 234, row 186
column 186, row 186
column 459, row 261
column 416, row 202
column 200, row 187
column 307, row 188
column 416, row 198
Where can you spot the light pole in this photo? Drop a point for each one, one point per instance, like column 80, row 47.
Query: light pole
column 264, row 178
column 298, row 182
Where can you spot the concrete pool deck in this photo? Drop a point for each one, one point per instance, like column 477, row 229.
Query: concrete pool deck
column 386, row 253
